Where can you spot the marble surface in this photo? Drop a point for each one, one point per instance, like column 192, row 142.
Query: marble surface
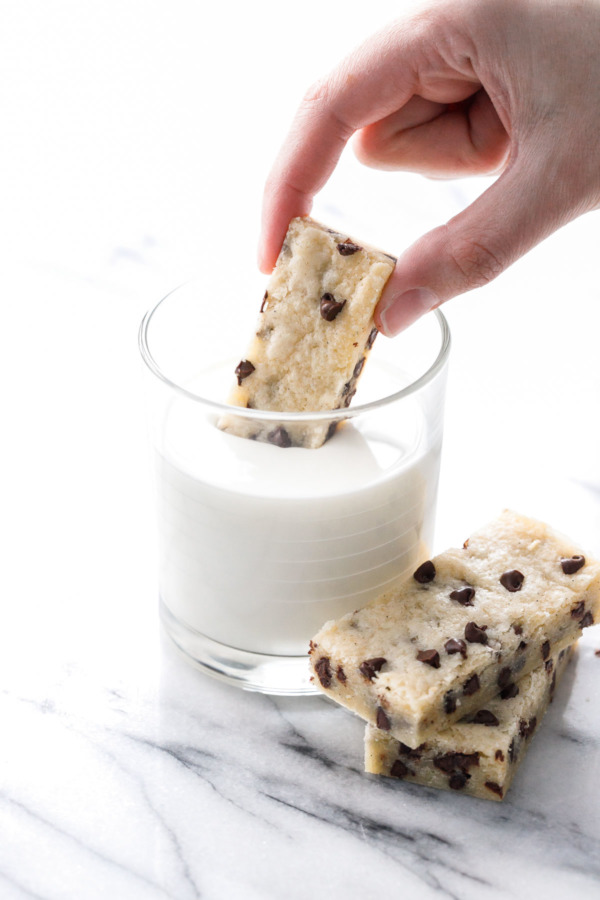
column 153, row 781
column 124, row 772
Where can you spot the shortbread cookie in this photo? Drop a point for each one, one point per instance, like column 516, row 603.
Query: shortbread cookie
column 467, row 625
column 479, row 755
column 314, row 333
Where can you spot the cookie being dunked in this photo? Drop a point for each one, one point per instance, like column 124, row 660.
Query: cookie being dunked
column 314, row 333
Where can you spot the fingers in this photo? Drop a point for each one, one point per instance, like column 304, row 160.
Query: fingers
column 439, row 140
column 449, row 92
column 377, row 79
column 436, row 139
column 304, row 164
column 413, row 57
column 513, row 215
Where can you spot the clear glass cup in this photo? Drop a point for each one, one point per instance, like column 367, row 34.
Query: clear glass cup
column 259, row 544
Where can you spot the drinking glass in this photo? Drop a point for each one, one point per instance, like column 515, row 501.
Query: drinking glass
column 260, row 544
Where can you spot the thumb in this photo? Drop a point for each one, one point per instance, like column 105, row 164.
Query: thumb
column 472, row 249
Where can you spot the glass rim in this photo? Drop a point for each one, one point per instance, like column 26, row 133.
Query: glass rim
column 277, row 416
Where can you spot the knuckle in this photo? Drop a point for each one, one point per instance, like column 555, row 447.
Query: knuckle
column 476, row 262
column 325, row 102
column 317, row 94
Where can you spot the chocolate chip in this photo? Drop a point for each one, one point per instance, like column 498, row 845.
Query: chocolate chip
column 382, row 720
column 512, row 750
column 475, row 634
column 243, row 369
column 370, row 667
column 264, row 301
column 455, row 645
column 587, row 620
column 464, row 596
column 532, row 725
column 358, row 367
column 330, row 307
column 279, row 437
column 371, row 339
column 504, row 676
column 522, row 645
column 449, row 702
column 425, row 573
column 349, row 394
column 545, row 649
column 431, row 657
column 348, row 248
column 341, row 675
column 413, row 753
column 549, row 665
column 492, row 786
column 499, row 756
column 323, row 670
column 449, row 762
column 399, row 770
column 458, row 780
column 518, row 629
column 578, row 611
column 485, row 717
column 510, row 691
column 572, row 565
column 471, row 685
column 512, row 580
column 526, row 729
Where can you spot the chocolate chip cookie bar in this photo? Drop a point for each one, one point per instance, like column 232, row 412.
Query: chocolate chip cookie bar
column 314, row 333
column 480, row 754
column 468, row 624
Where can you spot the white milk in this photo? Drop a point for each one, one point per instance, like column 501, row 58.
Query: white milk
column 260, row 545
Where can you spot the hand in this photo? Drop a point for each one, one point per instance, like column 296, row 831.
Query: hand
column 461, row 87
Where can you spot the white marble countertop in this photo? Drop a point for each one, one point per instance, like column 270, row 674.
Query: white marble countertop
column 134, row 776
column 124, row 772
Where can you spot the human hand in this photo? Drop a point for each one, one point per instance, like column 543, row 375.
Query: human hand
column 461, row 87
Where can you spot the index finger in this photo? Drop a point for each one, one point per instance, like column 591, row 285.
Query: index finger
column 361, row 90
column 404, row 59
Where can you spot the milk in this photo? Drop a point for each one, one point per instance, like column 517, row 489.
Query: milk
column 260, row 545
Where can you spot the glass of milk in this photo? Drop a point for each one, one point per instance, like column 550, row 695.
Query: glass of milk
column 259, row 545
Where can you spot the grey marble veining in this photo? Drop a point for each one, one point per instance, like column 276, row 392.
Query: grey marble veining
column 171, row 784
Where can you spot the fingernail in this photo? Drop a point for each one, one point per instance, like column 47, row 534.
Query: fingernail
column 405, row 309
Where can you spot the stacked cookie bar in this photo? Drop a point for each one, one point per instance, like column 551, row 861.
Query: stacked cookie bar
column 453, row 672
column 314, row 333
